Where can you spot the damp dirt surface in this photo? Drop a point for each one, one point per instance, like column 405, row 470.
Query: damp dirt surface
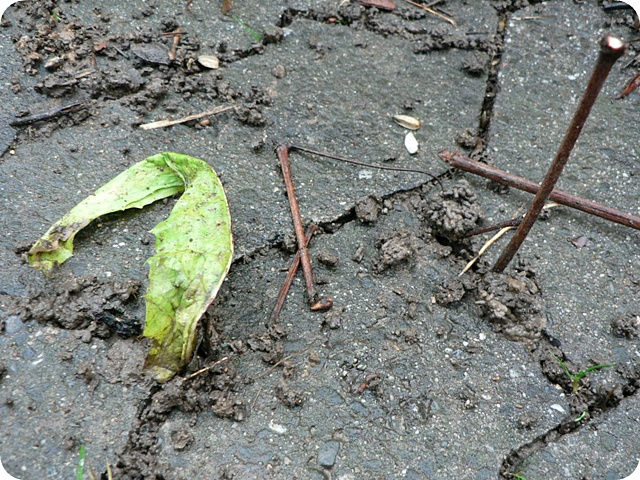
column 416, row 372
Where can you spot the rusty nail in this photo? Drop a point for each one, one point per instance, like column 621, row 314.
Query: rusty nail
column 611, row 49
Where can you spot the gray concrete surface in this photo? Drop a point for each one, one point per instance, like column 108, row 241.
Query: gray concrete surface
column 456, row 399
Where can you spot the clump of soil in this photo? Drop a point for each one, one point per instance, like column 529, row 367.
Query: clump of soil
column 269, row 342
column 627, row 326
column 453, row 212
column 449, row 291
column 512, row 302
column 76, row 304
column 368, row 208
column 396, row 248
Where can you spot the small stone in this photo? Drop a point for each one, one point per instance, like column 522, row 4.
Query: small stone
column 279, row 71
column 368, row 208
column 327, row 258
column 53, row 63
column 328, row 453
column 272, row 34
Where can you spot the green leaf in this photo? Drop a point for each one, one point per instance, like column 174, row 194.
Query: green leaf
column 193, row 248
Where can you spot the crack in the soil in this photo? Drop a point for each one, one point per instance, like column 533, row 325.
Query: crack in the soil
column 599, row 405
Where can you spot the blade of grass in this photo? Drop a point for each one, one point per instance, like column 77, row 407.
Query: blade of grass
column 80, row 467
column 247, row 28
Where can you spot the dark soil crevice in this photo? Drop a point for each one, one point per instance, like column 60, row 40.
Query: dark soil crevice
column 439, row 37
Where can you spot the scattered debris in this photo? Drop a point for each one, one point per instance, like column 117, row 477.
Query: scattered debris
column 581, row 241
column 152, row 53
column 627, row 325
column 226, row 6
column 453, row 212
column 433, row 12
column 513, row 304
column 371, row 382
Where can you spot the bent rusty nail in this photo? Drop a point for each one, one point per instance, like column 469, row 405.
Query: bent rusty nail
column 283, row 155
column 611, row 49
column 291, row 273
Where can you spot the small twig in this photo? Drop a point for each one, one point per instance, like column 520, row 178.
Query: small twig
column 293, row 269
column 84, row 74
column 611, row 49
column 364, row 164
column 173, row 34
column 168, row 123
column 283, row 155
column 207, row 368
column 177, row 33
column 41, row 117
column 514, row 222
column 280, row 362
column 462, row 162
column 433, row 12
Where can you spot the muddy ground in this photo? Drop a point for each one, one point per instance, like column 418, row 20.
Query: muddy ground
column 417, row 372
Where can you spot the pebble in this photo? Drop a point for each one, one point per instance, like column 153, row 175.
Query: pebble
column 328, row 453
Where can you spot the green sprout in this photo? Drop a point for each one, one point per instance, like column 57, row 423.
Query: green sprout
column 584, row 414
column 517, row 476
column 55, row 15
column 80, row 467
column 251, row 31
column 575, row 379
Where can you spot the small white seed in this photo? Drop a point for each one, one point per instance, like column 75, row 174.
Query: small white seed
column 406, row 121
column 209, row 61
column 411, row 143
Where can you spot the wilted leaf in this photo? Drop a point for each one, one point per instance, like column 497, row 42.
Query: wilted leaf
column 193, row 248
